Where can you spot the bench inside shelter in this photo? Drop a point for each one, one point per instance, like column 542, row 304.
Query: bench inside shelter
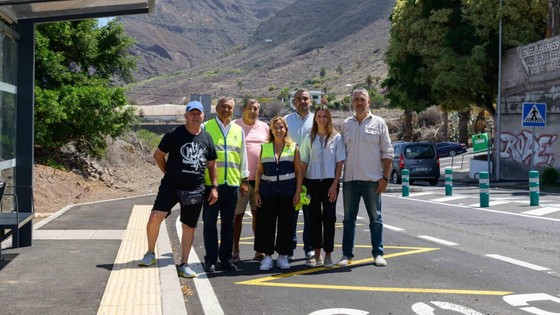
column 13, row 222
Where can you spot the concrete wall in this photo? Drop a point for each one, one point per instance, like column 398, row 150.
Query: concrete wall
column 531, row 73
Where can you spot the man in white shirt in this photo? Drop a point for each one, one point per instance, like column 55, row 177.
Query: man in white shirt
column 299, row 126
column 369, row 155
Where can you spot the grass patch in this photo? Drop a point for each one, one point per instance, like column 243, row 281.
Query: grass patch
column 149, row 139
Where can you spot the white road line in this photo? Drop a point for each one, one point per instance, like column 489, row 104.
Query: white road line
column 491, row 203
column 394, row 228
column 78, row 234
column 482, row 209
column 421, row 194
column 437, row 240
column 517, row 262
column 542, row 211
column 206, row 294
column 449, row 198
column 527, row 201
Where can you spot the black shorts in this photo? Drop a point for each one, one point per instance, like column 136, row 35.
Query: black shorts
column 167, row 198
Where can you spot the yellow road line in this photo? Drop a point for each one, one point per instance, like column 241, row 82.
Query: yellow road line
column 377, row 289
column 269, row 280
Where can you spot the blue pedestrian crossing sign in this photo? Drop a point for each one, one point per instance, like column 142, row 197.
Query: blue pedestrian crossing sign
column 534, row 115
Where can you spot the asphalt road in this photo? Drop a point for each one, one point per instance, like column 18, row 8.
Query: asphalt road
column 445, row 255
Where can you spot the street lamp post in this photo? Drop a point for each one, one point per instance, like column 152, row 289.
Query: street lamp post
column 499, row 101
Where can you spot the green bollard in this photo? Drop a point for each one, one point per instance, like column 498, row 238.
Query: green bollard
column 448, row 182
column 405, row 183
column 534, row 188
column 484, row 185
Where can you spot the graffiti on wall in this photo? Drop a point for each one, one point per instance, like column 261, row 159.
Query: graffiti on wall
column 525, row 148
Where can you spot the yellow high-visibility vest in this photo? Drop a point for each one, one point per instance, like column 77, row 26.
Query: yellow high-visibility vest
column 228, row 150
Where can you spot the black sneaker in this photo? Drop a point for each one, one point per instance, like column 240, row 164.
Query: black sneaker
column 229, row 265
column 209, row 267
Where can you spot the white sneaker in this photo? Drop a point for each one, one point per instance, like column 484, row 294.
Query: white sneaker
column 266, row 263
column 282, row 262
column 380, row 261
column 344, row 261
column 319, row 262
column 310, row 254
column 311, row 262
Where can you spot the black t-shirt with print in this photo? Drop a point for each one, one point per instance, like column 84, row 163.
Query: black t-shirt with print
column 188, row 156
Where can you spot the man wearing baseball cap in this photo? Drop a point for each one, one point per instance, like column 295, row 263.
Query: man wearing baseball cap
column 190, row 151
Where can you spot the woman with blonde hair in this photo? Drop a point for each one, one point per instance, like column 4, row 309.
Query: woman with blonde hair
column 278, row 183
column 322, row 155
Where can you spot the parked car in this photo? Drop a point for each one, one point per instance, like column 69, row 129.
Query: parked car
column 450, row 148
column 419, row 158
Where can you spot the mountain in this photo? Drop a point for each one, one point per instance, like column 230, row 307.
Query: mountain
column 256, row 47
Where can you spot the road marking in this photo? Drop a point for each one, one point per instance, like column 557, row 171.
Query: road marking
column 437, row 240
column 425, row 309
column 420, row 194
column 492, row 203
column 517, row 262
column 449, row 198
column 542, row 211
column 78, row 234
column 339, row 311
column 527, row 202
column 272, row 280
column 394, row 228
column 206, row 294
column 482, row 209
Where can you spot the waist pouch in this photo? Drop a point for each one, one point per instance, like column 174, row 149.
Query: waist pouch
column 190, row 197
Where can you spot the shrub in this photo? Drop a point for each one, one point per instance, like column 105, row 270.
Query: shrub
column 430, row 117
column 549, row 176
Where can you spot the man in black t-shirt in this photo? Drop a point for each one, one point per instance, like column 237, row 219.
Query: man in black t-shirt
column 190, row 150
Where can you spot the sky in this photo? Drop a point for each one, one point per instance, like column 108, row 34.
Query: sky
column 102, row 22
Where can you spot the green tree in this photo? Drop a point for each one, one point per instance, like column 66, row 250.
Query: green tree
column 445, row 52
column 284, row 95
column 323, row 72
column 77, row 102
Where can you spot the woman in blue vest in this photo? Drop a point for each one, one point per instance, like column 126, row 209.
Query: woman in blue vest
column 277, row 190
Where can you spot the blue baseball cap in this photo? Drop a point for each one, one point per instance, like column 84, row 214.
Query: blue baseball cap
column 195, row 105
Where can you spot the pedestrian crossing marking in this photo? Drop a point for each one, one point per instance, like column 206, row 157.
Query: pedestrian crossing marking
column 421, row 194
column 449, row 198
column 491, row 203
column 542, row 211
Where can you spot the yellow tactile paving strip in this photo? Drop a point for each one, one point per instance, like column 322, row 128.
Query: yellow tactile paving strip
column 132, row 289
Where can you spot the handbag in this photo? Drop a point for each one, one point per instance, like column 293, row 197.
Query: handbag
column 190, row 197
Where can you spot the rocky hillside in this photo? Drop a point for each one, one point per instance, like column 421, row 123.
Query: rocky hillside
column 256, row 47
column 182, row 34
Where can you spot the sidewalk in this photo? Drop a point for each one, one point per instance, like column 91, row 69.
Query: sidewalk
column 84, row 261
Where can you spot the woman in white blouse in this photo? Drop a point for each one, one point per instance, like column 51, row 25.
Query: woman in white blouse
column 322, row 156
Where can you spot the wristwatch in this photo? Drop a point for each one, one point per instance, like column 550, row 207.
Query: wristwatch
column 214, row 186
column 386, row 178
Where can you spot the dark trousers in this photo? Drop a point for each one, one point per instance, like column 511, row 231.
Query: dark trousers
column 268, row 236
column 225, row 206
column 305, row 237
column 322, row 214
